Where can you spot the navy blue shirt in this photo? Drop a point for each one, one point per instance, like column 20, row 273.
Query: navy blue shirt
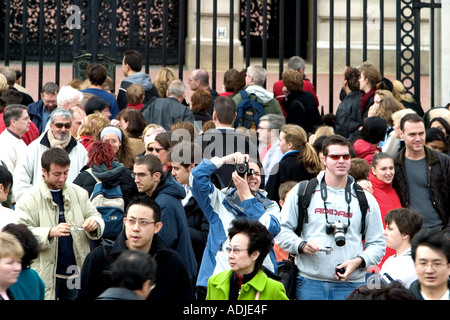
column 66, row 256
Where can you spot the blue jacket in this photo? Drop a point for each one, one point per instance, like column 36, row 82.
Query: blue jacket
column 175, row 232
column 113, row 105
column 35, row 112
column 221, row 208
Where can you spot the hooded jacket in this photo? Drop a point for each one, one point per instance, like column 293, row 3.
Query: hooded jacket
column 175, row 232
column 320, row 266
column 266, row 98
column 138, row 77
column 221, row 208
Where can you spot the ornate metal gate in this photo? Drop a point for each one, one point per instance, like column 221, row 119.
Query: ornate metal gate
column 409, row 44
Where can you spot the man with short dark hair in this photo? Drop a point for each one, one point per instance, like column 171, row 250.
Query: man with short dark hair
column 224, row 139
column 97, row 75
column 167, row 193
column 333, row 221
column 133, row 275
column 430, row 251
column 63, row 219
column 142, row 226
column 422, row 175
column 131, row 67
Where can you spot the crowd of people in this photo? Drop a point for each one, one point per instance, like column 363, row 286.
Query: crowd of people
column 145, row 195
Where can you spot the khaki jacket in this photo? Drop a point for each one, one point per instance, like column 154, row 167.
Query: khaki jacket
column 40, row 214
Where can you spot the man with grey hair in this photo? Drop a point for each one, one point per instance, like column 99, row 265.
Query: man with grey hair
column 29, row 171
column 268, row 142
column 164, row 111
column 254, row 81
column 199, row 79
column 68, row 98
column 295, row 63
column 40, row 110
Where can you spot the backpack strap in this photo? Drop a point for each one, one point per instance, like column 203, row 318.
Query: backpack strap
column 363, row 205
column 244, row 94
column 305, row 190
column 107, row 246
column 90, row 171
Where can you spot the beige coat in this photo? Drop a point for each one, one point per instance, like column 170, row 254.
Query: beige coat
column 40, row 214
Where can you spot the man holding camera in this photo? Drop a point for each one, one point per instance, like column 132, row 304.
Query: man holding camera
column 329, row 250
column 222, row 207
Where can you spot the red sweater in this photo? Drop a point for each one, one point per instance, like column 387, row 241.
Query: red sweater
column 387, row 199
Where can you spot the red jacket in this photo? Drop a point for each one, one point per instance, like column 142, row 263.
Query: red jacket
column 279, row 94
column 365, row 150
column 387, row 199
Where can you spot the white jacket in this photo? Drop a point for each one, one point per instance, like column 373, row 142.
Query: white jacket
column 320, row 266
column 40, row 213
column 28, row 171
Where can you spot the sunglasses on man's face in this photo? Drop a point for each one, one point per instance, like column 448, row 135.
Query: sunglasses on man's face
column 151, row 149
column 59, row 125
column 336, row 157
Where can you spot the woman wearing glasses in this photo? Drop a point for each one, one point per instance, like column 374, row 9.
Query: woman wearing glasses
column 299, row 162
column 250, row 242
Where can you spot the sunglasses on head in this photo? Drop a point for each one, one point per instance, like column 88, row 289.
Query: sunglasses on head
column 336, row 157
column 59, row 125
column 151, row 149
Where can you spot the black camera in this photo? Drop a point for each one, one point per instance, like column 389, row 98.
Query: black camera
column 340, row 270
column 243, row 169
column 339, row 230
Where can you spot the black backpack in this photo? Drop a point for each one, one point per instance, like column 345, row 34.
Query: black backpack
column 248, row 111
column 305, row 190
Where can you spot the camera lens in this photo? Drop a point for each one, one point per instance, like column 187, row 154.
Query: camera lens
column 339, row 237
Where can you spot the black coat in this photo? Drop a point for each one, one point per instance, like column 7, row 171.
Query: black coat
column 438, row 176
column 172, row 280
column 288, row 170
column 348, row 114
column 301, row 109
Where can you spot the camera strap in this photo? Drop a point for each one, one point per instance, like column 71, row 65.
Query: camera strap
column 348, row 198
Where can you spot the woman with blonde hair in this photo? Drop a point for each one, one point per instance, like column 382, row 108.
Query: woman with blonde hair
column 163, row 78
column 406, row 99
column 299, row 162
